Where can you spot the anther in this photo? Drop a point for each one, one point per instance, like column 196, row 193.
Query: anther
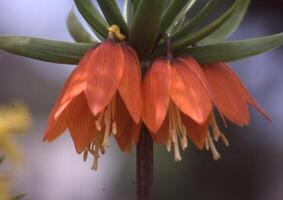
column 85, row 155
column 215, row 154
column 224, row 140
column 176, row 146
column 107, row 121
column 114, row 128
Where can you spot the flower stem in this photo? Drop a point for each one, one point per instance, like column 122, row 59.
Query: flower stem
column 145, row 166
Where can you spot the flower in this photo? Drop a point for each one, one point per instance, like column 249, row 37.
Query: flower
column 177, row 103
column 15, row 118
column 179, row 95
column 101, row 97
column 231, row 96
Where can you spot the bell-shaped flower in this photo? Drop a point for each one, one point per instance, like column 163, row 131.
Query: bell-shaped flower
column 101, row 97
column 177, row 103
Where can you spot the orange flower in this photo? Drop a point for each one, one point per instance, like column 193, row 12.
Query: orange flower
column 231, row 96
column 101, row 97
column 177, row 103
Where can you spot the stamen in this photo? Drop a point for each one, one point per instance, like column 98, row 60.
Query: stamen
column 176, row 146
column 184, row 140
column 114, row 128
column 206, row 145
column 107, row 121
column 95, row 162
column 184, row 143
column 215, row 154
column 98, row 121
column 215, row 129
column 85, row 155
column 169, row 144
column 224, row 140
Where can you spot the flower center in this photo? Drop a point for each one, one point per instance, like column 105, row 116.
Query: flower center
column 177, row 131
column 105, row 124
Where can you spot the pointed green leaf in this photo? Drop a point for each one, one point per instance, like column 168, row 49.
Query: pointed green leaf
column 230, row 26
column 235, row 50
column 190, row 39
column 197, row 19
column 129, row 12
column 178, row 26
column 181, row 15
column 46, row 50
column 135, row 4
column 146, row 24
column 76, row 29
column 113, row 15
column 92, row 16
column 170, row 13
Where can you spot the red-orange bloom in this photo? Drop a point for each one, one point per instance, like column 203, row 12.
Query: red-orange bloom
column 177, row 103
column 101, row 97
column 230, row 95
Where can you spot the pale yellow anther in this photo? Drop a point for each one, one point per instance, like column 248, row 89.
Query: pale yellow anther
column 184, row 143
column 177, row 154
column 114, row 128
column 98, row 121
column 115, row 30
column 215, row 129
column 215, row 154
column 206, row 145
column 85, row 155
column 95, row 162
column 224, row 140
column 107, row 121
column 169, row 144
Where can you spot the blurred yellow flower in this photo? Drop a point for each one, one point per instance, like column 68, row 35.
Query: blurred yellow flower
column 15, row 118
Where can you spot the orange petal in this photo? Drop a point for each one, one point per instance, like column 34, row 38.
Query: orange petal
column 162, row 136
column 127, row 130
column 74, row 85
column 104, row 73
column 197, row 133
column 55, row 127
column 81, row 122
column 229, row 99
column 189, row 93
column 130, row 87
column 156, row 91
column 243, row 90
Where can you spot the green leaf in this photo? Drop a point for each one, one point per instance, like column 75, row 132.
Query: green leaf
column 46, row 50
column 19, row 197
column 113, row 15
column 76, row 29
column 92, row 16
column 181, row 15
column 146, row 24
column 178, row 26
column 197, row 19
column 230, row 26
column 192, row 38
column 135, row 4
column 170, row 13
column 129, row 12
column 235, row 50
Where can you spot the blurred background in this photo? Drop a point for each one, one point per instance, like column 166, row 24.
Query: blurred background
column 250, row 169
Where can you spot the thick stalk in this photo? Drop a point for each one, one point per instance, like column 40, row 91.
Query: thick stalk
column 145, row 166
